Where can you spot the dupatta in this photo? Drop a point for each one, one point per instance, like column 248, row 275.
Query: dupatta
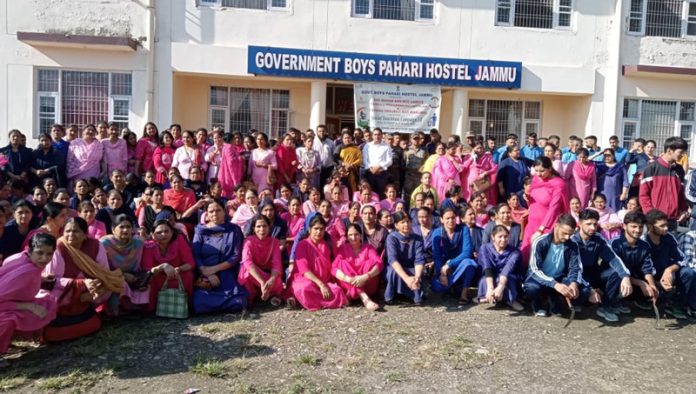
column 112, row 280
column 125, row 257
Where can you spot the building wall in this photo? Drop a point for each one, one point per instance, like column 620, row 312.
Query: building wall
column 19, row 61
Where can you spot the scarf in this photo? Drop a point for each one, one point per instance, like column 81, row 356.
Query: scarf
column 123, row 256
column 112, row 280
column 584, row 172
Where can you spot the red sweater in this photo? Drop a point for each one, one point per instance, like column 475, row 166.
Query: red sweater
column 661, row 188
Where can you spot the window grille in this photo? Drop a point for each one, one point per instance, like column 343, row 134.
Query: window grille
column 243, row 109
column 82, row 97
column 498, row 118
column 538, row 14
column 246, row 4
column 402, row 10
column 662, row 18
column 657, row 120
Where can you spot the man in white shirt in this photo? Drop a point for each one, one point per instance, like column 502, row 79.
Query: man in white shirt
column 326, row 147
column 377, row 157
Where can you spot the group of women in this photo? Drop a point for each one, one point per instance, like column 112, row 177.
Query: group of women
column 71, row 259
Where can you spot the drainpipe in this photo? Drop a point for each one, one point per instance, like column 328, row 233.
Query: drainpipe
column 150, row 66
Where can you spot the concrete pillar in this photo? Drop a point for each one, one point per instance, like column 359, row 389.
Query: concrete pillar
column 317, row 112
column 460, row 112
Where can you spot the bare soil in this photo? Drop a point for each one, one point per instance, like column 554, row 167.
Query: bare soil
column 439, row 347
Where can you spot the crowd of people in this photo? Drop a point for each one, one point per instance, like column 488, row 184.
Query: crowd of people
column 98, row 222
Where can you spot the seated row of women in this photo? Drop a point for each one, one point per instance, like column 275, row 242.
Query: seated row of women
column 70, row 289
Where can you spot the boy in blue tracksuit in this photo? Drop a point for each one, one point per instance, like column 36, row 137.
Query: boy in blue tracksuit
column 674, row 278
column 635, row 254
column 554, row 268
column 601, row 269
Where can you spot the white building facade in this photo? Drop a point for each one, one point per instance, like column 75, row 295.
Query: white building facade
column 609, row 67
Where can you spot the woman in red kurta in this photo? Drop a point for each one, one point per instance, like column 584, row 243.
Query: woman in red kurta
column 261, row 268
column 167, row 256
column 23, row 305
column 287, row 161
column 357, row 267
column 146, row 148
column 312, row 284
column 162, row 158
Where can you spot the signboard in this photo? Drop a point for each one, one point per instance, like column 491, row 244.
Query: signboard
column 301, row 63
column 397, row 108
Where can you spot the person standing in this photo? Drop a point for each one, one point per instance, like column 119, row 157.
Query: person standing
column 326, row 147
column 531, row 151
column 661, row 186
column 377, row 158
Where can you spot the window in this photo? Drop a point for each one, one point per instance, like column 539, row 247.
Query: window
column 498, row 118
column 243, row 109
column 662, row 18
column 657, row 120
column 539, row 14
column 401, row 10
column 248, row 4
column 82, row 97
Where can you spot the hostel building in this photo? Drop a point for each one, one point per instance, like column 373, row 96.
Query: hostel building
column 624, row 67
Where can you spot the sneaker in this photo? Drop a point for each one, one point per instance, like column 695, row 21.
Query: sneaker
column 516, row 306
column 621, row 309
column 607, row 315
column 643, row 305
column 676, row 312
column 541, row 313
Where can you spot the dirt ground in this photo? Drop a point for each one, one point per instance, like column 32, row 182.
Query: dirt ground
column 439, row 347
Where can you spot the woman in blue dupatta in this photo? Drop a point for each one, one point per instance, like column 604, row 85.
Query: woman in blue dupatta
column 125, row 252
column 217, row 250
column 452, row 252
column 612, row 180
column 405, row 260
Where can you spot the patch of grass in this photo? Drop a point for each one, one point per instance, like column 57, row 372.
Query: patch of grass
column 461, row 340
column 395, row 377
column 209, row 368
column 302, row 385
column 75, row 379
column 211, row 328
column 308, row 359
column 12, row 382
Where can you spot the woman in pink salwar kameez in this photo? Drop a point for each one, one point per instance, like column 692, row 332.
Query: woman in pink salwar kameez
column 294, row 218
column 582, row 178
column 24, row 306
column 447, row 170
column 609, row 222
column 357, row 268
column 231, row 171
column 261, row 268
column 479, row 165
column 313, row 286
column 262, row 160
column 548, row 200
column 84, row 156
column 334, row 224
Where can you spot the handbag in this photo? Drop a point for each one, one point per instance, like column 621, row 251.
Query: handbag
column 172, row 303
column 481, row 185
column 271, row 178
column 142, row 280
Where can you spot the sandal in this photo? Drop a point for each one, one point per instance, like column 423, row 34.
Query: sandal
column 464, row 301
column 275, row 301
column 292, row 302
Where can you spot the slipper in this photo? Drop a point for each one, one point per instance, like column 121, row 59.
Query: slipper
column 292, row 302
column 275, row 301
column 464, row 301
